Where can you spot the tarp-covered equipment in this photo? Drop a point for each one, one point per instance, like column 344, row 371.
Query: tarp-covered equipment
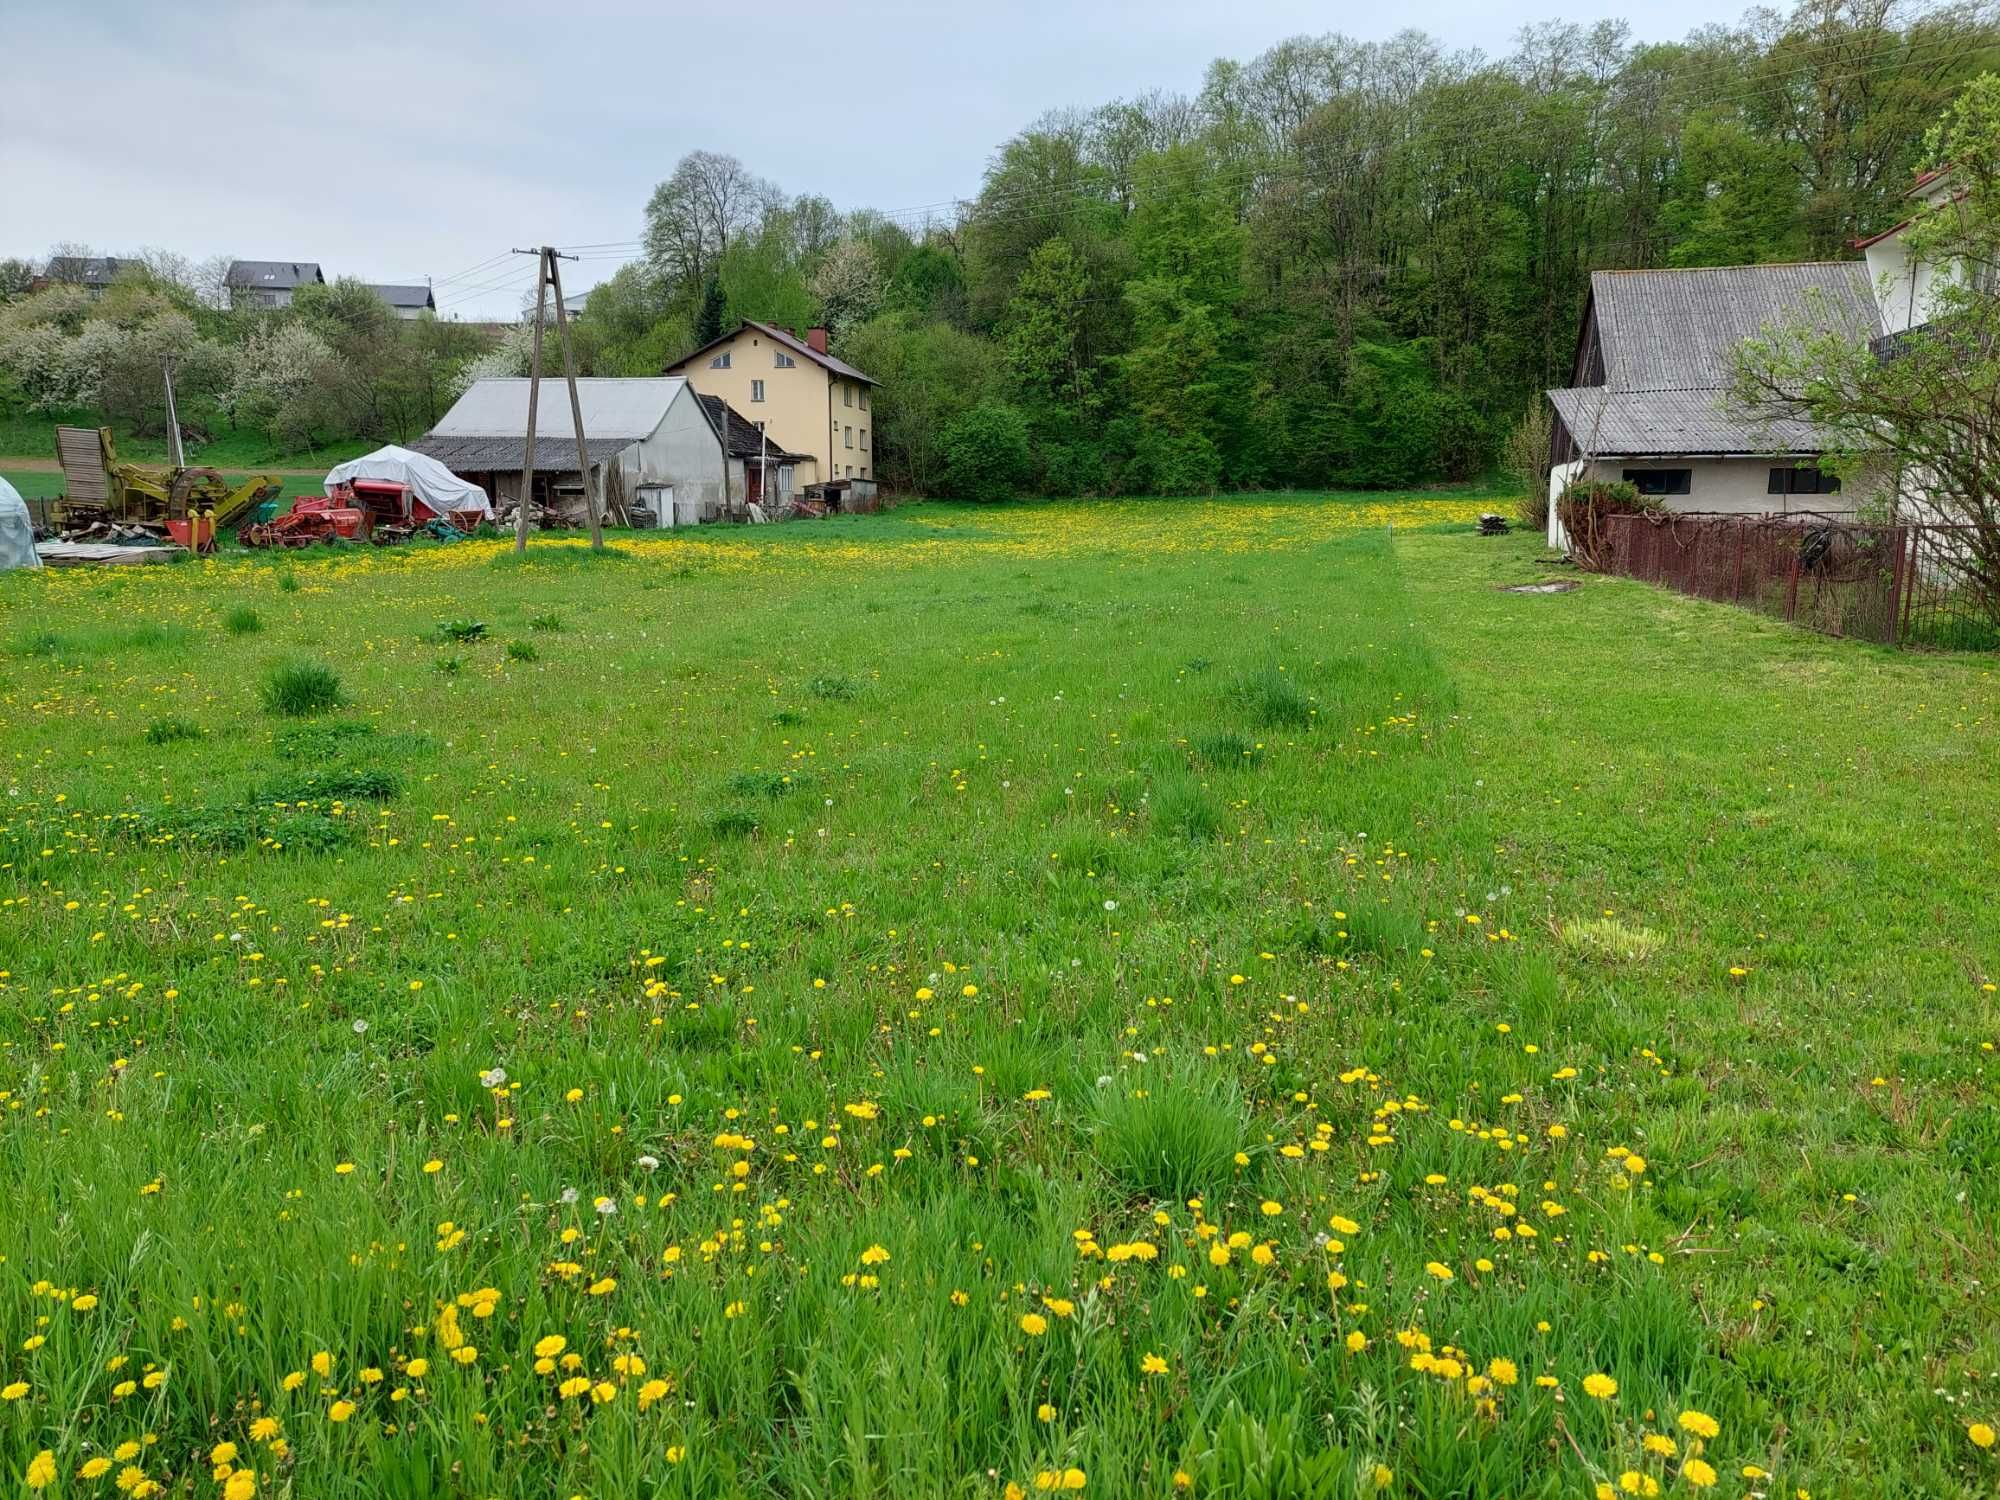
column 17, row 531
column 432, row 485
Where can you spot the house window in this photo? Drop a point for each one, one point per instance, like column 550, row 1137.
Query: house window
column 864, row 439
column 864, row 398
column 720, row 362
column 848, row 436
column 756, row 390
column 782, row 361
column 1661, row 481
column 846, row 394
column 1804, row 480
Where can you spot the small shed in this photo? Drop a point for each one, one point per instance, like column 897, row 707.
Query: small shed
column 760, row 470
column 648, row 442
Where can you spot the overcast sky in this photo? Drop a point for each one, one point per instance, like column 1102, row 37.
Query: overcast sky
column 395, row 142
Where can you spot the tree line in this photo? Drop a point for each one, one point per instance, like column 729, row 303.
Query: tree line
column 335, row 365
column 1337, row 263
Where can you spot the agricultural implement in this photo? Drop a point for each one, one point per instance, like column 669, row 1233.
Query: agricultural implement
column 188, row 504
column 312, row 518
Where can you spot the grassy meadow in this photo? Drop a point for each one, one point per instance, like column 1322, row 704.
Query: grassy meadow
column 1130, row 1000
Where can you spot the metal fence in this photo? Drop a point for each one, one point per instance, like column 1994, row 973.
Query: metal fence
column 1906, row 584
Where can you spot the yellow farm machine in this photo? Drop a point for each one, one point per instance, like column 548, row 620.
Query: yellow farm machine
column 191, row 505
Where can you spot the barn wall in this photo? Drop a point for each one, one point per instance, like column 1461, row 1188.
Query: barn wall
column 682, row 451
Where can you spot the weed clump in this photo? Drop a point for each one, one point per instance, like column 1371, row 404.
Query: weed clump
column 166, row 731
column 242, row 620
column 1173, row 1142
column 1274, row 699
column 300, row 689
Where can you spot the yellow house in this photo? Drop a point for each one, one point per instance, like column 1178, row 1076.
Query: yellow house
column 810, row 402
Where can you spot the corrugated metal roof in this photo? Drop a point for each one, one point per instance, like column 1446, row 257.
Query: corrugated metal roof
column 1669, row 341
column 1627, row 424
column 272, row 275
column 612, row 408
column 486, row 455
column 1676, row 330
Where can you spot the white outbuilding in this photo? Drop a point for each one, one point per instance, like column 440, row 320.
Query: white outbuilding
column 648, row 442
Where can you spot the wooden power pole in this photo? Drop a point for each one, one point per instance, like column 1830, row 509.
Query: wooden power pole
column 534, row 394
column 548, row 278
column 590, row 498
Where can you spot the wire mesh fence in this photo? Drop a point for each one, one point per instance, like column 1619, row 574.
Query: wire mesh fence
column 1904, row 584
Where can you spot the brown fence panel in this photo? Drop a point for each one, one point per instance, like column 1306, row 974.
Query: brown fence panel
column 1895, row 584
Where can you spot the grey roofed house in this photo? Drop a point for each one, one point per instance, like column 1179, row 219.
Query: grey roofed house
column 405, row 301
column 1655, row 357
column 1649, row 400
column 269, row 283
column 94, row 271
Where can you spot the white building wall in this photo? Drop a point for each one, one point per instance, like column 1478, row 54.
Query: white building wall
column 1731, row 486
column 683, row 451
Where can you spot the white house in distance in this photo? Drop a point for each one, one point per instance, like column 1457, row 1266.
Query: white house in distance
column 268, row 283
column 1648, row 399
column 649, row 442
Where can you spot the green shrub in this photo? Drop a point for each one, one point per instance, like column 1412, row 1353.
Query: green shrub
column 288, row 582
column 166, row 731
column 986, row 453
column 243, row 620
column 1184, row 463
column 300, row 689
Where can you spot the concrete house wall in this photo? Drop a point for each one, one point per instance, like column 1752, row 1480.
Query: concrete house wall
column 807, row 408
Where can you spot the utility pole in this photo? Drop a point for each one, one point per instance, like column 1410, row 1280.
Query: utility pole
column 173, row 414
column 534, row 394
column 590, row 499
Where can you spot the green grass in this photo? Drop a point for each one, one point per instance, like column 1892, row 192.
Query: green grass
column 874, row 960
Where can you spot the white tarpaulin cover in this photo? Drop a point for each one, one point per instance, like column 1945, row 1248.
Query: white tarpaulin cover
column 17, row 531
column 430, row 481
